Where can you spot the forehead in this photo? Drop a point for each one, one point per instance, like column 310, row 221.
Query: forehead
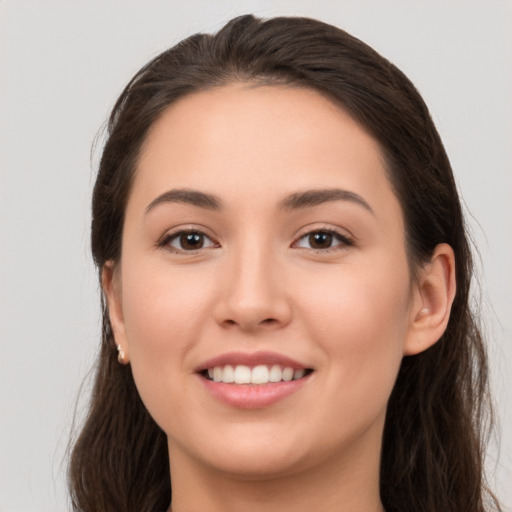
column 264, row 141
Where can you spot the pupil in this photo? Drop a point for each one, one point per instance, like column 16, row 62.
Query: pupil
column 191, row 241
column 320, row 240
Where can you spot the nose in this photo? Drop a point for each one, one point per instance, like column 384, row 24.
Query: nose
column 252, row 293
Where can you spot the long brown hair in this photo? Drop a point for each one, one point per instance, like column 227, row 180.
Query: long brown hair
column 437, row 419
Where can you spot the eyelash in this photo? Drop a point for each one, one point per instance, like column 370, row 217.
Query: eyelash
column 166, row 241
column 343, row 240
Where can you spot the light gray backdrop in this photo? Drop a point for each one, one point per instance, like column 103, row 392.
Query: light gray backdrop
column 63, row 63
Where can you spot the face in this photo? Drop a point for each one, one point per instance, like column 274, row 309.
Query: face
column 263, row 244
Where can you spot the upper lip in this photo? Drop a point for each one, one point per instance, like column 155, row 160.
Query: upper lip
column 250, row 359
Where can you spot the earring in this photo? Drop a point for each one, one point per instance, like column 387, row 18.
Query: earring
column 423, row 312
column 120, row 354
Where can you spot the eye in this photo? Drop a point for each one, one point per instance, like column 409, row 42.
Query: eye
column 187, row 241
column 322, row 240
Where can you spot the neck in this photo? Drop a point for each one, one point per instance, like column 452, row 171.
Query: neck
column 335, row 485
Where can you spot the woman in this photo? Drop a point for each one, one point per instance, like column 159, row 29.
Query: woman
column 286, row 276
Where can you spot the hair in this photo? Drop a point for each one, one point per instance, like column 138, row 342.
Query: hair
column 438, row 415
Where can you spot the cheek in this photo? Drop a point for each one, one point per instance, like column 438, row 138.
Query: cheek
column 162, row 306
column 358, row 302
column 163, row 313
column 359, row 316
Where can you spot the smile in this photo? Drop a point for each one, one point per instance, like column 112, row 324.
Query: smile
column 252, row 380
column 260, row 374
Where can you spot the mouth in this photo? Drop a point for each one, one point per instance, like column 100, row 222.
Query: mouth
column 253, row 380
column 256, row 375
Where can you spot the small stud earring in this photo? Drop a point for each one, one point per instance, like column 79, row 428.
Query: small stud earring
column 423, row 312
column 120, row 354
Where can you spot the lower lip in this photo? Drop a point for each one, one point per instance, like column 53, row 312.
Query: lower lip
column 253, row 396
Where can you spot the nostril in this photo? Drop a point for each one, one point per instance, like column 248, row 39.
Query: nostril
column 267, row 321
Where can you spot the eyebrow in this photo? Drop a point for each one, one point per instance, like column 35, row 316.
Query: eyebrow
column 294, row 201
column 188, row 196
column 311, row 198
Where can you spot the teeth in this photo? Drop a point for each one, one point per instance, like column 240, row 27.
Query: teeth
column 275, row 373
column 287, row 374
column 242, row 374
column 298, row 374
column 217, row 374
column 260, row 374
column 228, row 375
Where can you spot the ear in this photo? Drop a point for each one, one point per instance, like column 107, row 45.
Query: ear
column 433, row 299
column 111, row 285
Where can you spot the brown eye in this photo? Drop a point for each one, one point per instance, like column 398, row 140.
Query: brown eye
column 320, row 240
column 189, row 241
column 323, row 240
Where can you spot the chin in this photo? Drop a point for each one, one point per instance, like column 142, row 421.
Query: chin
column 258, row 464
column 260, row 455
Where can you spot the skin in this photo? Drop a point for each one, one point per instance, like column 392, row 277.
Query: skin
column 350, row 311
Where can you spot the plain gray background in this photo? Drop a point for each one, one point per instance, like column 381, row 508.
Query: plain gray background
column 63, row 63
